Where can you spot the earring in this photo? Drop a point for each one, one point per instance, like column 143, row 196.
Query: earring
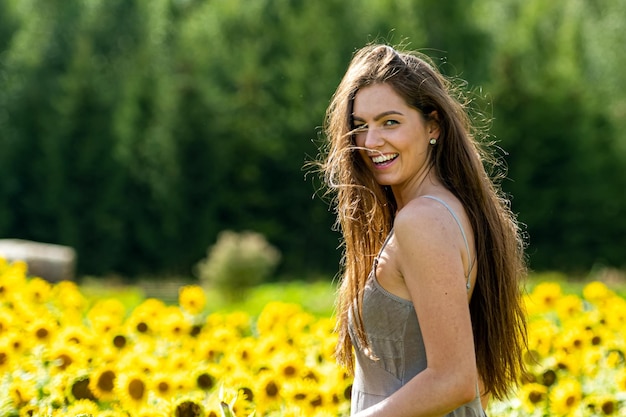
column 433, row 141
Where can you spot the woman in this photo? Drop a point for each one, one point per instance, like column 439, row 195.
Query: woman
column 430, row 299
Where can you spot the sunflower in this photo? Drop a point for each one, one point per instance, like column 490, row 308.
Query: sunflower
column 242, row 404
column 150, row 308
column 77, row 388
column 173, row 324
column 7, row 357
column 176, row 361
column 303, row 393
column 573, row 338
column 68, row 297
column 226, row 327
column 235, row 402
column 592, row 360
column 207, row 376
column 614, row 358
column 541, row 333
column 288, row 365
column 615, row 314
column 245, row 352
column 131, row 389
column 12, row 280
column 140, row 324
column 207, row 349
column 597, row 292
column 268, row 345
column 34, row 410
column 63, row 357
column 43, row 329
column 192, row 299
column 22, row 391
column 188, row 406
column 299, row 323
column 181, row 382
column 543, row 298
column 109, row 311
column 84, row 406
column 77, row 335
column 139, row 359
column 332, row 387
column 565, row 396
column 267, row 390
column 162, row 385
column 37, row 291
column 533, row 396
column 105, row 324
column 102, row 383
column 276, row 315
column 8, row 321
column 569, row 307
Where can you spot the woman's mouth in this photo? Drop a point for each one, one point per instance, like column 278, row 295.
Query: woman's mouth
column 383, row 159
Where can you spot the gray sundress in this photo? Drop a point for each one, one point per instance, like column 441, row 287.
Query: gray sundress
column 396, row 339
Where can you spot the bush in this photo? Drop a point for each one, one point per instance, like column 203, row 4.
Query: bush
column 237, row 262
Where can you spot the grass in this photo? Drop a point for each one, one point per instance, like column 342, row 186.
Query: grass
column 315, row 297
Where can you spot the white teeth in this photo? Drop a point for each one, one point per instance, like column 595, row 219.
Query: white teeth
column 383, row 158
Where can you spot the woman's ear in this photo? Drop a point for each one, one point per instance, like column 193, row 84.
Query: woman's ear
column 432, row 123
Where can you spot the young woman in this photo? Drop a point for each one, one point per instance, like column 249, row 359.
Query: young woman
column 429, row 310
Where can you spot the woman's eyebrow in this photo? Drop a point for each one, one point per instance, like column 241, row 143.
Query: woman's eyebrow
column 379, row 116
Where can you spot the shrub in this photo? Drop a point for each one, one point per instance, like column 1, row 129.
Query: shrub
column 237, row 262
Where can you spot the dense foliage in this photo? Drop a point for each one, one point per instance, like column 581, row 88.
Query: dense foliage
column 62, row 354
column 137, row 130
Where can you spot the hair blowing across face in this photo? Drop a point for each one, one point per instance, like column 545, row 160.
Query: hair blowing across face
column 365, row 210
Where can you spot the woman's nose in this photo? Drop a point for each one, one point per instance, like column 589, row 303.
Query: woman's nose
column 373, row 138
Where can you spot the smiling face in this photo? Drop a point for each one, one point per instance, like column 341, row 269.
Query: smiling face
column 393, row 137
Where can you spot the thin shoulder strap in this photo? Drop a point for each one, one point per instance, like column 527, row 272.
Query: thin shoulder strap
column 456, row 218
column 382, row 247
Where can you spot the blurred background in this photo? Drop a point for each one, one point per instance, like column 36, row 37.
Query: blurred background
column 137, row 131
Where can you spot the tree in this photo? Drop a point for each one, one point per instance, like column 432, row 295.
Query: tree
column 565, row 175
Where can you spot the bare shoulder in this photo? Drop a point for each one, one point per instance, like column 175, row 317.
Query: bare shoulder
column 423, row 219
column 429, row 239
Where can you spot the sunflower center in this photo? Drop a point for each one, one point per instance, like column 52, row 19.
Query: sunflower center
column 289, row 370
column 188, row 409
column 136, row 389
column 64, row 361
column 205, row 381
column 80, row 390
column 163, row 387
column 271, row 389
column 534, row 397
column 119, row 341
column 105, row 382
column 41, row 333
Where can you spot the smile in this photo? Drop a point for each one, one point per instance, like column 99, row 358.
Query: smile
column 381, row 159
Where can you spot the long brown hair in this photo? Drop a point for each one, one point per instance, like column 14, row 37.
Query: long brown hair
column 365, row 210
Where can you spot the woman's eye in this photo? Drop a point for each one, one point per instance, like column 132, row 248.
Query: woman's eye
column 391, row 122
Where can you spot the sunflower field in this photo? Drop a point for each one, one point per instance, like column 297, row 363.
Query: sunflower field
column 62, row 354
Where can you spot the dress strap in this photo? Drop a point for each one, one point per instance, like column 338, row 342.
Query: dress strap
column 381, row 249
column 456, row 218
